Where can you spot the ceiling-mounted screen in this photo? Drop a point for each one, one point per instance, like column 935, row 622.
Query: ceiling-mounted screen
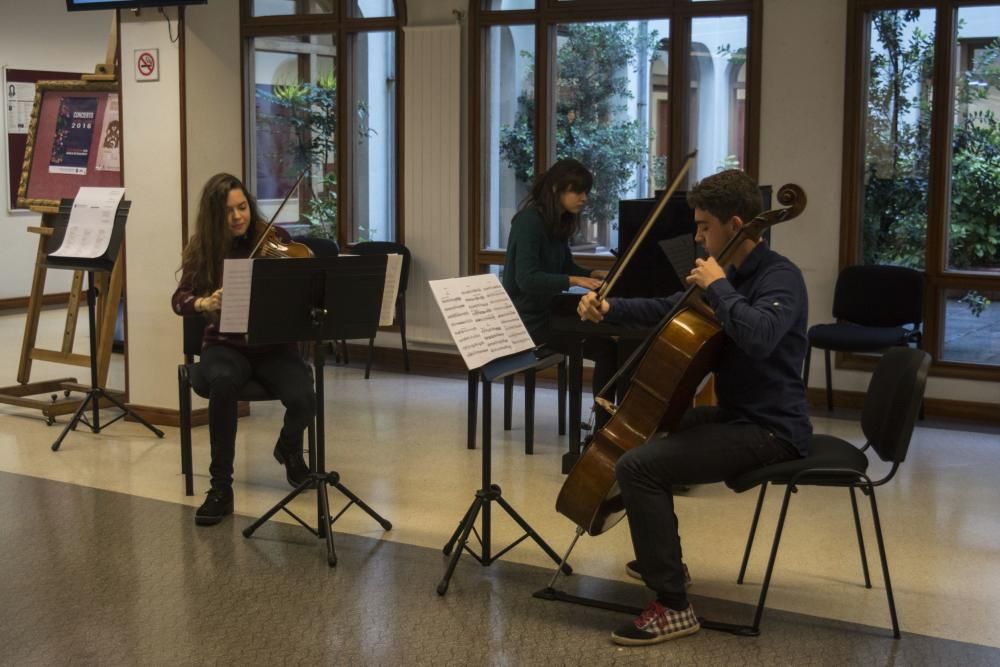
column 78, row 5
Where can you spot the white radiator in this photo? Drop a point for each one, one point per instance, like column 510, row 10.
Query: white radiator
column 431, row 181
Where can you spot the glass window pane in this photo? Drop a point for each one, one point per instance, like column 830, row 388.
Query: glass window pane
column 294, row 122
column 371, row 8
column 508, row 108
column 609, row 111
column 373, row 138
column 717, row 96
column 897, row 126
column 501, row 5
column 971, row 327
column 291, row 7
column 974, row 229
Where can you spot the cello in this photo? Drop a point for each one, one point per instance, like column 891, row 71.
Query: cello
column 674, row 360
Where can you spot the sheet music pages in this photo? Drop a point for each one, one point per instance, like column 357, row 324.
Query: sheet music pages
column 393, row 269
column 236, row 279
column 91, row 221
column 481, row 318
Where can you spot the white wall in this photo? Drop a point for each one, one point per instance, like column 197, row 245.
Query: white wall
column 152, row 158
column 802, row 124
column 73, row 42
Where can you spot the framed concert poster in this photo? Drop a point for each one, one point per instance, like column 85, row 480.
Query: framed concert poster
column 74, row 140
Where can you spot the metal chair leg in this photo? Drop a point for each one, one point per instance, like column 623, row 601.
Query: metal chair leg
column 529, row 411
column 885, row 564
column 774, row 555
column 184, row 407
column 753, row 532
column 508, row 397
column 562, row 397
column 861, row 539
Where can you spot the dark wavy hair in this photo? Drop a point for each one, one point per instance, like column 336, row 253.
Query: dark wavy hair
column 211, row 242
column 726, row 194
column 565, row 175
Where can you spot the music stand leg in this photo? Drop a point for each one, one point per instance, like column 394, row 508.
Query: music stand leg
column 319, row 478
column 487, row 494
column 96, row 393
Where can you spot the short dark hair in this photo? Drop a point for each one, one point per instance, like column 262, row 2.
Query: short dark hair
column 726, row 194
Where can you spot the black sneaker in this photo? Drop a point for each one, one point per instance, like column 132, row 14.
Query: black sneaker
column 632, row 570
column 217, row 506
column 296, row 470
column 657, row 624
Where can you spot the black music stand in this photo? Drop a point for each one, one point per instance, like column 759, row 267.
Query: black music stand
column 316, row 299
column 103, row 263
column 489, row 492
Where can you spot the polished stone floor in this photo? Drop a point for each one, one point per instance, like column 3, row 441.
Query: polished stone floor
column 102, row 563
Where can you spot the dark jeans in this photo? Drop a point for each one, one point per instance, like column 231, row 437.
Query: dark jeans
column 282, row 372
column 708, row 446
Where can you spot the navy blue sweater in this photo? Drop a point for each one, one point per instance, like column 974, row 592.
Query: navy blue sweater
column 763, row 309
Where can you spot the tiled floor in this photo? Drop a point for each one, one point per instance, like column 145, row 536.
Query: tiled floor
column 399, row 443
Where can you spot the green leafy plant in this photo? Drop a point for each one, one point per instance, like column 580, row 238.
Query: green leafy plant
column 308, row 112
column 898, row 141
column 592, row 95
column 976, row 302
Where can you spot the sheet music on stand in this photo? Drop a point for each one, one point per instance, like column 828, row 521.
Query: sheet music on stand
column 91, row 223
column 481, row 318
column 393, row 268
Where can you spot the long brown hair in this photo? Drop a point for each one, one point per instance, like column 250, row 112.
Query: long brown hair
column 565, row 175
column 211, row 241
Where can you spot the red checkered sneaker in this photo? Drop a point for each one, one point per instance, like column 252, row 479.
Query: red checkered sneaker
column 657, row 624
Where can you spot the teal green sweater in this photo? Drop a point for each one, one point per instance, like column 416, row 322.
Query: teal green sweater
column 537, row 268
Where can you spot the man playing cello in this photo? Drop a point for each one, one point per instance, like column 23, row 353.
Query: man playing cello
column 761, row 417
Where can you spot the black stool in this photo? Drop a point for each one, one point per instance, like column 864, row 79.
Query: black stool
column 530, row 373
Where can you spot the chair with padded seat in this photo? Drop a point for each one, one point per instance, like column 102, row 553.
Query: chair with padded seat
column 190, row 378
column 890, row 411
column 388, row 248
column 876, row 308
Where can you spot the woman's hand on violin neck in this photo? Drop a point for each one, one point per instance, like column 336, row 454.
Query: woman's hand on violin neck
column 585, row 282
column 210, row 303
column 705, row 272
column 591, row 307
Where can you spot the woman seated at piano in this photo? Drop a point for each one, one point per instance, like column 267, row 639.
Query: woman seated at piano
column 540, row 264
column 227, row 228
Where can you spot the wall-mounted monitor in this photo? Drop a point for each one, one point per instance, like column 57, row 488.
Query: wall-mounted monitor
column 78, row 5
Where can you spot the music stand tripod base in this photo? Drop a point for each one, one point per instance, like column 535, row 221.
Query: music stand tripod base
column 96, row 394
column 290, row 302
column 489, row 493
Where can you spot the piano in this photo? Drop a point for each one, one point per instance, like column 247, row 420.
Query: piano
column 658, row 268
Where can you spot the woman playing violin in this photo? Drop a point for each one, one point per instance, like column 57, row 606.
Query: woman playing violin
column 227, row 227
column 761, row 418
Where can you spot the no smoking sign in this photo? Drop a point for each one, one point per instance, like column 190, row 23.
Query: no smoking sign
column 147, row 64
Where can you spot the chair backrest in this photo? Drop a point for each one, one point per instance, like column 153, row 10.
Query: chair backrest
column 388, row 248
column 879, row 296
column 319, row 246
column 893, row 401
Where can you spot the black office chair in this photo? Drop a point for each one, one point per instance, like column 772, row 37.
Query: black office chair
column 388, row 248
column 876, row 308
column 190, row 377
column 320, row 247
column 890, row 411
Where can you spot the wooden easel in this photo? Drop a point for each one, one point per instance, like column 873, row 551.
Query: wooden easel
column 110, row 287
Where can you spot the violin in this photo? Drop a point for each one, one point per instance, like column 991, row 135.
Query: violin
column 268, row 244
column 683, row 350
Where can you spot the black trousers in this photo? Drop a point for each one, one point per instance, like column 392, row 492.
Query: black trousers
column 710, row 445
column 281, row 371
